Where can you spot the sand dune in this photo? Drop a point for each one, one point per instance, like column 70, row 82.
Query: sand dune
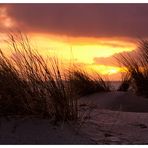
column 106, row 118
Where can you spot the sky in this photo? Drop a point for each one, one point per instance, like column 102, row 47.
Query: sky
column 90, row 34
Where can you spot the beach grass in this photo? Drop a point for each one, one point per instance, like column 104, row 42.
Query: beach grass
column 125, row 82
column 31, row 85
column 84, row 84
column 137, row 67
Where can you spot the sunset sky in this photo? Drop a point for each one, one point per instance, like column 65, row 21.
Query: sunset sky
column 90, row 34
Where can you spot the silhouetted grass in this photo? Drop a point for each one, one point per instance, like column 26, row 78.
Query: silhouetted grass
column 64, row 100
column 84, row 84
column 125, row 83
column 137, row 67
column 31, row 85
column 12, row 89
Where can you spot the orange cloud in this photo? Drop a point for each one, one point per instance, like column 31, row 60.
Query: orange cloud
column 82, row 49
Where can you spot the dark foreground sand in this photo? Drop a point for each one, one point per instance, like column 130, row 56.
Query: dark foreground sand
column 38, row 131
column 106, row 118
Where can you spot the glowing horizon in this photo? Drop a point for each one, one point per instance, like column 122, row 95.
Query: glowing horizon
column 82, row 51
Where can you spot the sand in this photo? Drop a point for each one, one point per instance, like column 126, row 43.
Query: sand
column 105, row 118
column 38, row 131
column 116, row 118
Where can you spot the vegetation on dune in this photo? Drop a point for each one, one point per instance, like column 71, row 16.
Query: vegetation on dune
column 137, row 67
column 31, row 85
column 84, row 84
column 125, row 82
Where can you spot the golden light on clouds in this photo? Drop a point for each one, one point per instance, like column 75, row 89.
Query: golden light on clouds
column 83, row 50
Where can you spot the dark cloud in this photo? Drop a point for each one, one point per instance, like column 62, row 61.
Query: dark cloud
column 128, row 20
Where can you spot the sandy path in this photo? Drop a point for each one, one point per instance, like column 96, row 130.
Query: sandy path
column 105, row 126
column 123, row 101
column 112, row 127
